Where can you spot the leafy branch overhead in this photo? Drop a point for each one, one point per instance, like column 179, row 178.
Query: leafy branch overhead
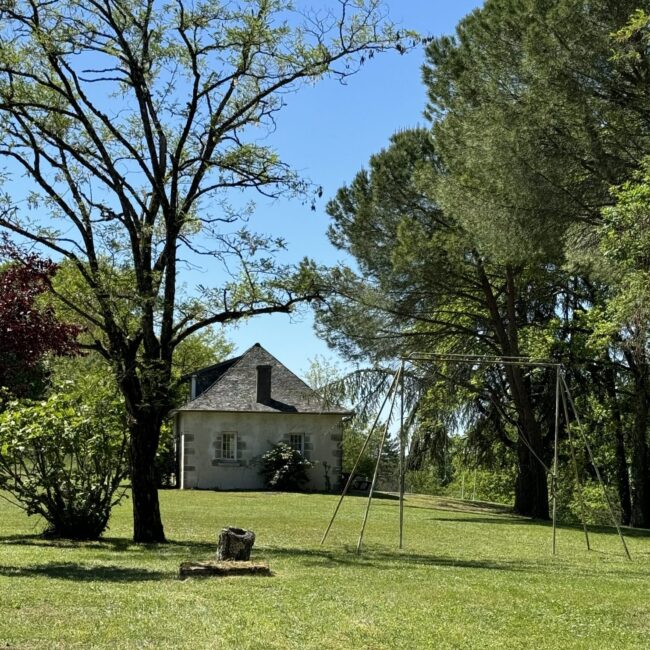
column 133, row 120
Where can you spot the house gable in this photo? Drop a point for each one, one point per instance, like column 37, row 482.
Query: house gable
column 236, row 386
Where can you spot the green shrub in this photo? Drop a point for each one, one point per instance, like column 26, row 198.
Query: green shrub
column 596, row 510
column 284, row 468
column 494, row 485
column 166, row 462
column 64, row 460
column 353, row 441
column 423, row 481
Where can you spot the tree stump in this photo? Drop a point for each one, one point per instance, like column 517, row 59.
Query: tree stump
column 235, row 544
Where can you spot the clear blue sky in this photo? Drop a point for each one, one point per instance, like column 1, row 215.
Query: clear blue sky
column 328, row 132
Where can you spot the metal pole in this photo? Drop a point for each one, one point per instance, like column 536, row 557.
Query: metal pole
column 555, row 442
column 402, row 459
column 577, row 472
column 475, row 468
column 593, row 462
column 356, row 464
column 376, row 472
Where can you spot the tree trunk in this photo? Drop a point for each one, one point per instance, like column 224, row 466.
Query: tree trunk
column 531, row 486
column 147, row 523
column 639, row 450
column 622, row 475
column 235, row 544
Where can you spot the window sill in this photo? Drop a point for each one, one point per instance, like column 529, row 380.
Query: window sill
column 227, row 463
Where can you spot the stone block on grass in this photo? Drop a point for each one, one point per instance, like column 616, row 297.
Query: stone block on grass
column 216, row 568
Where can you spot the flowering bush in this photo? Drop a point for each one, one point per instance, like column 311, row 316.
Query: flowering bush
column 284, row 468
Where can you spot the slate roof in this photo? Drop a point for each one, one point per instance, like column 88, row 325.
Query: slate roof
column 233, row 387
column 207, row 376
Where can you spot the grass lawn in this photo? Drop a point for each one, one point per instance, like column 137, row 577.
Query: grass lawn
column 470, row 576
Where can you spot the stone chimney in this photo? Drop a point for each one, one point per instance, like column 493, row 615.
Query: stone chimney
column 264, row 384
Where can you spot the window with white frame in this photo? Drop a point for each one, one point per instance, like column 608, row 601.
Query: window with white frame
column 297, row 442
column 228, row 445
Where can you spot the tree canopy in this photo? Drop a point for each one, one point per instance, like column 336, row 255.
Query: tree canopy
column 30, row 330
column 495, row 231
column 133, row 120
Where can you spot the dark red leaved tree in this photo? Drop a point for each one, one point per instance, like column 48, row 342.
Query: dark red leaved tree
column 28, row 330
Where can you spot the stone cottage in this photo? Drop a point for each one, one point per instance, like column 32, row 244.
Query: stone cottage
column 238, row 409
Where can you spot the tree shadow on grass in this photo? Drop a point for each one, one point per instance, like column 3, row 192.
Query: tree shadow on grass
column 642, row 533
column 113, row 544
column 468, row 507
column 379, row 496
column 82, row 573
column 386, row 560
column 638, row 533
column 381, row 560
column 512, row 521
column 504, row 515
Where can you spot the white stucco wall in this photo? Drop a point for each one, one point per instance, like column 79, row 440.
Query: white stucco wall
column 256, row 433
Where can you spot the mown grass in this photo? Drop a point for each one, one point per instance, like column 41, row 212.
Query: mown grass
column 468, row 577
